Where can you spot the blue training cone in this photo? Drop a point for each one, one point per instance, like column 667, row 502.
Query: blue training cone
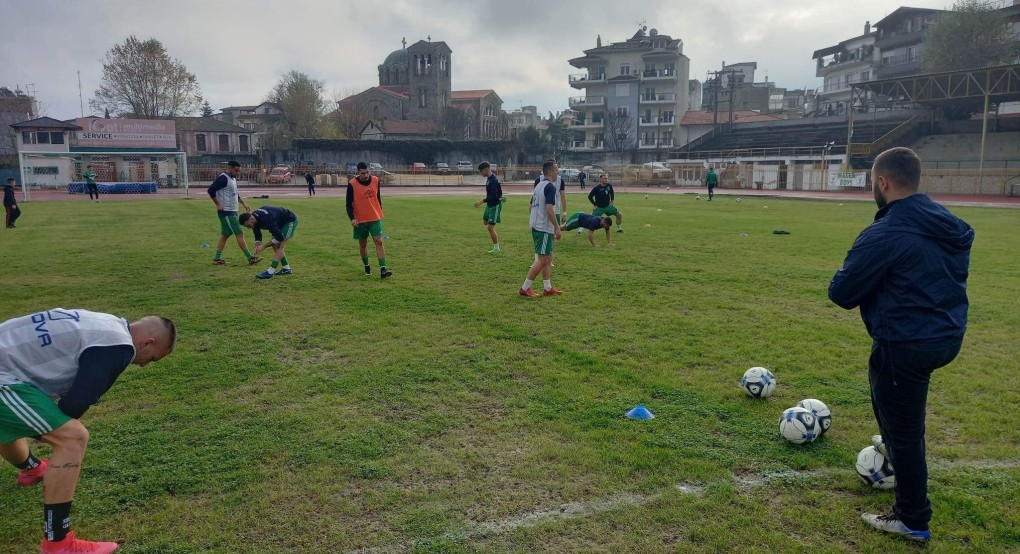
column 640, row 412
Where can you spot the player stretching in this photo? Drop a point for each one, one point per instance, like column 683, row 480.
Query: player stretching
column 364, row 208
column 545, row 229
column 493, row 201
column 602, row 198
column 581, row 221
column 281, row 224
column 223, row 192
column 74, row 356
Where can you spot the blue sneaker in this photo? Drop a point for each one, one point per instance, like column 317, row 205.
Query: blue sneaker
column 264, row 275
column 285, row 271
column 892, row 524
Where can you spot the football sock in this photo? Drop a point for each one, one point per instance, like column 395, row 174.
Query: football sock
column 547, row 284
column 247, row 253
column 284, row 262
column 31, row 463
column 57, row 520
column 382, row 262
column 219, row 254
column 618, row 226
column 495, row 246
column 364, row 261
column 527, row 284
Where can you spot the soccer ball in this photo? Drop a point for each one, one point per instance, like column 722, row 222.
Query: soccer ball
column 874, row 469
column 799, row 425
column 820, row 410
column 667, row 188
column 738, row 200
column 698, row 197
column 758, row 382
column 646, row 197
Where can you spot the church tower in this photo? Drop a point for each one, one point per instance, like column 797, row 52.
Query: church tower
column 428, row 79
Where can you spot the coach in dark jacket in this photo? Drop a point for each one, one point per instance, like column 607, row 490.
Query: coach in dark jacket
column 908, row 273
column 11, row 210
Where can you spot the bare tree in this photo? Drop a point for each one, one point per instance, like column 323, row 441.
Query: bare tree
column 452, row 123
column 620, row 134
column 141, row 80
column 301, row 99
column 352, row 113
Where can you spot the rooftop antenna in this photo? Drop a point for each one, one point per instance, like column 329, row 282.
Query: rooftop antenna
column 81, row 102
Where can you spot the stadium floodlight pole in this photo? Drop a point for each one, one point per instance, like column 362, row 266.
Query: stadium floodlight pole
column 984, row 133
column 849, row 130
column 21, row 168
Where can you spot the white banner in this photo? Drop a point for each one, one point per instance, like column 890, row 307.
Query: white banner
column 843, row 179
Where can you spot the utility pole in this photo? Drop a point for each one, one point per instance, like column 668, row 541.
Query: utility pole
column 81, row 102
column 715, row 77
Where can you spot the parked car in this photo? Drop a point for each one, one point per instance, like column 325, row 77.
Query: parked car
column 569, row 174
column 656, row 170
column 330, row 167
column 442, row 167
column 465, row 166
column 375, row 168
column 418, row 167
column 352, row 168
column 281, row 174
column 593, row 173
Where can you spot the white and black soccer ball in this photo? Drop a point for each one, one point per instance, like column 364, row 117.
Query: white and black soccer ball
column 697, row 197
column 799, row 425
column 667, row 188
column 820, row 410
column 758, row 382
column 738, row 200
column 875, row 469
column 646, row 197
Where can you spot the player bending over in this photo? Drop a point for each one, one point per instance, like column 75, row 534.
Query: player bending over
column 281, row 224
column 581, row 220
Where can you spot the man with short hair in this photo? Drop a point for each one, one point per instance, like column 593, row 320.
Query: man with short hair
column 581, row 221
column 493, row 201
column 711, row 181
column 560, row 209
column 364, row 208
column 310, row 179
column 223, row 192
column 11, row 209
column 545, row 230
column 602, row 198
column 281, row 224
column 90, row 183
column 907, row 272
column 581, row 177
column 74, row 356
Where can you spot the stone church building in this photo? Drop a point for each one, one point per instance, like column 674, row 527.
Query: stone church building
column 415, row 84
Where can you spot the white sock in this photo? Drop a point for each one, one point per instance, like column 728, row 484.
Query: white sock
column 547, row 284
column 286, row 266
column 495, row 246
column 271, row 270
column 618, row 226
column 527, row 284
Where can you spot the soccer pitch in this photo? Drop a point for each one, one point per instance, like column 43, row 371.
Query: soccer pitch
column 438, row 411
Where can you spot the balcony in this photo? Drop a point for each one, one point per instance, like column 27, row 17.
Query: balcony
column 655, row 121
column 661, row 143
column 897, row 66
column 587, row 101
column 582, row 80
column 888, row 40
column 659, row 98
column 658, row 74
column 588, row 124
column 587, row 145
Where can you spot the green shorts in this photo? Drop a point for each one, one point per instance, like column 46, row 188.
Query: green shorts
column 229, row 225
column 373, row 228
column 608, row 210
column 572, row 221
column 26, row 412
column 491, row 215
column 288, row 230
column 543, row 242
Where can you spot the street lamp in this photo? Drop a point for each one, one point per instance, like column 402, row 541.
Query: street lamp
column 825, row 163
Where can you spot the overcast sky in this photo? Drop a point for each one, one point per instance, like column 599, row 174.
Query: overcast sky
column 240, row 48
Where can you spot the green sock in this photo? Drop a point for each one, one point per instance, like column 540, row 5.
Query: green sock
column 382, row 262
column 219, row 254
column 364, row 260
column 248, row 254
column 284, row 262
column 275, row 264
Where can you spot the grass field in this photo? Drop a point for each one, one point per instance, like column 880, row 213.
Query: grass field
column 440, row 412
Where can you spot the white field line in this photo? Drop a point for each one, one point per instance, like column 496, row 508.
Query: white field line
column 617, row 501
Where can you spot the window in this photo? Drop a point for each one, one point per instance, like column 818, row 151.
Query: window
column 622, row 111
column 865, row 76
column 670, row 70
column 650, row 93
column 624, row 69
column 27, row 137
column 42, row 138
column 242, row 142
column 623, row 90
column 200, row 143
column 224, row 143
column 602, row 72
column 57, row 137
column 423, row 98
column 596, row 117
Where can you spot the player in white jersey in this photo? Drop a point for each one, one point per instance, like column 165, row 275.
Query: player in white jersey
column 54, row 365
column 545, row 230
